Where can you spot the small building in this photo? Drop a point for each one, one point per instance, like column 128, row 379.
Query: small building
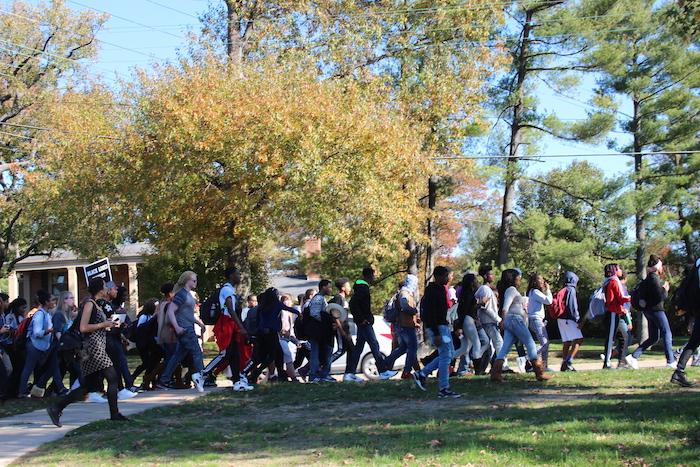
column 64, row 270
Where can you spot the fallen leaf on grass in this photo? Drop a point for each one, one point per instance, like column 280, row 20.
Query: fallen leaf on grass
column 387, row 426
column 482, row 452
column 139, row 444
column 433, row 443
column 318, row 453
column 527, row 448
column 635, row 462
column 622, row 447
column 409, row 457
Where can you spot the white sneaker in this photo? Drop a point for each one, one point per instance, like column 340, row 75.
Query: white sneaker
column 125, row 394
column 633, row 362
column 673, row 365
column 96, row 397
column 240, row 386
column 696, row 361
column 388, row 374
column 350, row 378
column 244, row 378
column 522, row 361
column 198, row 381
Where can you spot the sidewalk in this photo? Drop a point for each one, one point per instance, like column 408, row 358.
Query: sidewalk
column 23, row 433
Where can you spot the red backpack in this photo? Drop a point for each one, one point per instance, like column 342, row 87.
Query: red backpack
column 558, row 306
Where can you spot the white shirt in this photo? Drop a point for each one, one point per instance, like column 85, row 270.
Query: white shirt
column 227, row 291
column 536, row 302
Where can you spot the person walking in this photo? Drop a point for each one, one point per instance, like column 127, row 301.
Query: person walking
column 41, row 351
column 653, row 292
column 569, row 323
column 468, row 321
column 691, row 305
column 93, row 325
column 183, row 319
column 516, row 329
column 614, row 308
column 407, row 324
column 434, row 308
column 539, row 295
column 361, row 309
column 490, row 319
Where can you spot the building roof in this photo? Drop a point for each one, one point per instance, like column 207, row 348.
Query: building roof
column 293, row 285
column 126, row 253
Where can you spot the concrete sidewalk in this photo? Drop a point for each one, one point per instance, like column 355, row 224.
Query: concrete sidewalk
column 23, row 433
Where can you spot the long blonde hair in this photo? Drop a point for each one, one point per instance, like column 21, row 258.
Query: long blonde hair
column 184, row 277
column 61, row 305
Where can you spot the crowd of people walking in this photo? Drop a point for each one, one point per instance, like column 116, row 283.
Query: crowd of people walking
column 471, row 327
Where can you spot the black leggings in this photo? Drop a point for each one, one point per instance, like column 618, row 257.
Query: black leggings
column 690, row 347
column 151, row 355
column 267, row 344
column 91, row 380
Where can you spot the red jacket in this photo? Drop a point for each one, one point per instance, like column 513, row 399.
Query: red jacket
column 614, row 298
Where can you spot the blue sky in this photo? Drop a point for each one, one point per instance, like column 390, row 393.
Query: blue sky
column 170, row 30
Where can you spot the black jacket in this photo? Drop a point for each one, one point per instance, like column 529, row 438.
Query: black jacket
column 361, row 303
column 434, row 306
column 653, row 292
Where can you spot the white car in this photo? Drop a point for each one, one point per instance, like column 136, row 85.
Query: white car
column 367, row 365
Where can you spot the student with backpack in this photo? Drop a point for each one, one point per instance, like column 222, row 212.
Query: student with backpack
column 615, row 301
column 343, row 335
column 652, row 293
column 406, row 324
column 144, row 336
column 539, row 295
column 320, row 331
column 689, row 300
column 96, row 364
column 434, row 307
column 40, row 337
column 565, row 309
column 229, row 331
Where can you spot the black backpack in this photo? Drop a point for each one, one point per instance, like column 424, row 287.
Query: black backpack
column 637, row 295
column 210, row 310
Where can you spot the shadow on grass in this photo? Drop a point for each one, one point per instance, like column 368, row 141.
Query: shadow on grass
column 391, row 423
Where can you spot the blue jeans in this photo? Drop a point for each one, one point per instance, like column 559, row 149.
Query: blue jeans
column 516, row 330
column 408, row 344
column 658, row 325
column 539, row 329
column 470, row 345
column 46, row 360
column 186, row 343
column 445, row 353
column 320, row 360
column 494, row 334
column 365, row 334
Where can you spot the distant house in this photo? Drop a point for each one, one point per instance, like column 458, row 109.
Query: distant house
column 63, row 270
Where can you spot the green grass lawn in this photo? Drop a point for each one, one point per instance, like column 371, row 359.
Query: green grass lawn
column 622, row 418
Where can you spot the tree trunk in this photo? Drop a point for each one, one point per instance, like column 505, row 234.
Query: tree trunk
column 639, row 214
column 430, row 249
column 235, row 31
column 511, row 179
column 412, row 260
column 239, row 257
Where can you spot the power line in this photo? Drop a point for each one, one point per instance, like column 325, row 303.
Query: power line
column 124, row 19
column 548, row 156
column 173, row 9
column 32, row 20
